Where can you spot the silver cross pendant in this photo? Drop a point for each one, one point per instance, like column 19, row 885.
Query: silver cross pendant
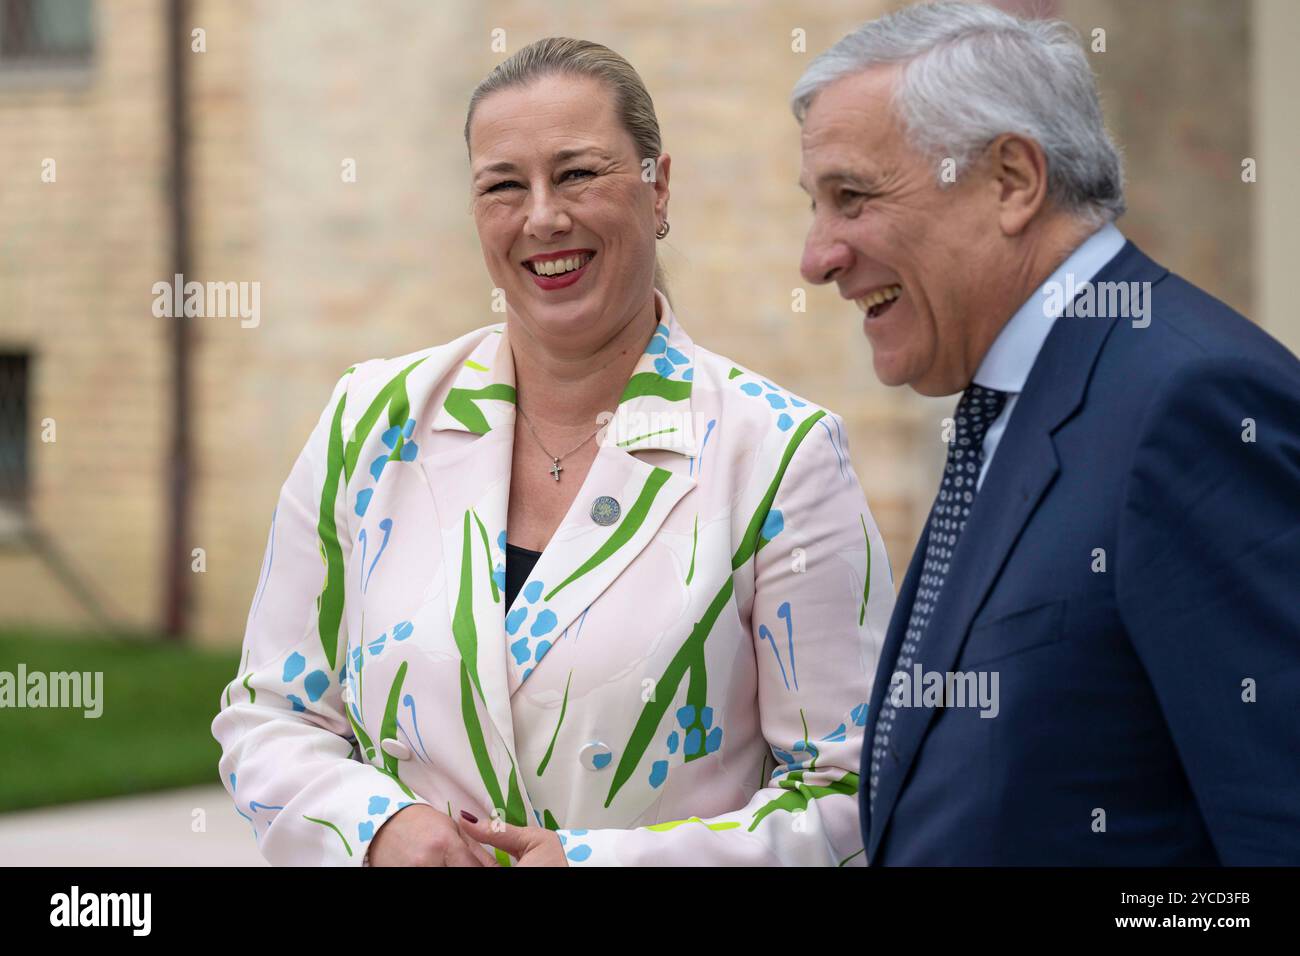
column 556, row 469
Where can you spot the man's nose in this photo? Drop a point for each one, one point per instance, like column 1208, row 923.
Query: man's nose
column 823, row 258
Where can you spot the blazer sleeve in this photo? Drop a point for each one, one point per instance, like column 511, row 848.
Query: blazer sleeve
column 286, row 741
column 822, row 601
column 1207, row 569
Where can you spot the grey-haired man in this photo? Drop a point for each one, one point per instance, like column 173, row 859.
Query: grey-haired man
column 1116, row 536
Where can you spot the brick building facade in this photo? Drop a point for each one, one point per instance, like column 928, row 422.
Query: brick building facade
column 285, row 94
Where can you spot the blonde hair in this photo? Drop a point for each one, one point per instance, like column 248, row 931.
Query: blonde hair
column 564, row 55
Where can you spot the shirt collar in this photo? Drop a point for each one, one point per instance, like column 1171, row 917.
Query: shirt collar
column 1009, row 359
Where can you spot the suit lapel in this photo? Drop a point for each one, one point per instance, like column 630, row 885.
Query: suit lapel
column 880, row 687
column 1019, row 476
column 1027, row 467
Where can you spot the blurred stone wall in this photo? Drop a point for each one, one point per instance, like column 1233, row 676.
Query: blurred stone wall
column 287, row 92
column 77, row 258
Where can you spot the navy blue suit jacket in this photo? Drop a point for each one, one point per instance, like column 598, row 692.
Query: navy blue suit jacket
column 1149, row 714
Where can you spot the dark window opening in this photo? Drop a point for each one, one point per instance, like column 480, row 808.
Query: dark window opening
column 14, row 406
column 45, row 32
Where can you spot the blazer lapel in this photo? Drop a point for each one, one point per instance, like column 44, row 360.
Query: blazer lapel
column 584, row 556
column 469, row 479
column 1020, row 474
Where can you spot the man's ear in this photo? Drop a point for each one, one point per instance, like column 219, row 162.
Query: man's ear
column 1019, row 166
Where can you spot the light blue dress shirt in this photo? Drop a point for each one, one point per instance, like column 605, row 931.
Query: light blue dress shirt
column 1007, row 363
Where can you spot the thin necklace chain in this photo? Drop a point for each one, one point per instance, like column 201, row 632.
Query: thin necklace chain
column 556, row 459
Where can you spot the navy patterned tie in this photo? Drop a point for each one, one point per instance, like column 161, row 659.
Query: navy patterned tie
column 975, row 413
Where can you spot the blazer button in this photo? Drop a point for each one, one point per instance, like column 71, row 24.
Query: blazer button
column 595, row 756
column 395, row 748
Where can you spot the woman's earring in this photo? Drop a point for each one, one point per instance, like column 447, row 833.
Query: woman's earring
column 663, row 230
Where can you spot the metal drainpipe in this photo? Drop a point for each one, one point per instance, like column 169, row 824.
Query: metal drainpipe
column 176, row 558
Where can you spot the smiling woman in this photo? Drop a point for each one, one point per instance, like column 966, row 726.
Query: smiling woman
column 621, row 85
column 604, row 658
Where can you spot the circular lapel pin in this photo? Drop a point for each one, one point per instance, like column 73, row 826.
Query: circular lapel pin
column 605, row 510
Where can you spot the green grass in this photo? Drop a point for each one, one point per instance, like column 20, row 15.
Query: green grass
column 158, row 701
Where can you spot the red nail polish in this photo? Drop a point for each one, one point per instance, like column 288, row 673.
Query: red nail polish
column 469, row 816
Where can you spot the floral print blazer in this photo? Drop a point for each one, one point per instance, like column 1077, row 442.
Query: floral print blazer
column 682, row 680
